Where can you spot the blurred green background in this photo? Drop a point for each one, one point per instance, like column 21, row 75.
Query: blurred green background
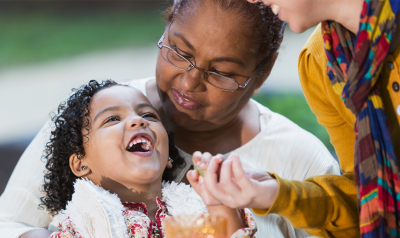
column 44, row 35
column 37, row 32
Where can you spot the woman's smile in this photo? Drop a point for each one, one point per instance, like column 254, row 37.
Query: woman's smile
column 184, row 100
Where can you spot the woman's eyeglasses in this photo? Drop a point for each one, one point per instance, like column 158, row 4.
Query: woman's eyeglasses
column 181, row 62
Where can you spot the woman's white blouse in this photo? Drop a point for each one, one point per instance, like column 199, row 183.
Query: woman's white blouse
column 280, row 147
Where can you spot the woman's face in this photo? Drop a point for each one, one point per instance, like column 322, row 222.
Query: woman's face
column 300, row 14
column 216, row 41
column 127, row 142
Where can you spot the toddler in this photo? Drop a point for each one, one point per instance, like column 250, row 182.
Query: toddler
column 111, row 166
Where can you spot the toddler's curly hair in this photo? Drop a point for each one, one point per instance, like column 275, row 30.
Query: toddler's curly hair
column 67, row 138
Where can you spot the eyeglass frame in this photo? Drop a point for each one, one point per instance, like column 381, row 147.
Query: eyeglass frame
column 159, row 44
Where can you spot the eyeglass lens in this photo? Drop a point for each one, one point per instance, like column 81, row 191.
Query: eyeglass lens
column 180, row 62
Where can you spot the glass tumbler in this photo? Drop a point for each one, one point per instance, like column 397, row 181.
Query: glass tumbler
column 197, row 226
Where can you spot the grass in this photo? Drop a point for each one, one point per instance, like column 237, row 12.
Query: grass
column 34, row 37
column 295, row 107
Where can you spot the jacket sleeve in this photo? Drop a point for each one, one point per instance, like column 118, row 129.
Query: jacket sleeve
column 19, row 204
column 324, row 205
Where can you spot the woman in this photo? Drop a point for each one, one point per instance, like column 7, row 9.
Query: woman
column 207, row 70
column 349, row 74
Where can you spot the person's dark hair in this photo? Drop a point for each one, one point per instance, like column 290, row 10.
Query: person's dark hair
column 67, row 139
column 267, row 29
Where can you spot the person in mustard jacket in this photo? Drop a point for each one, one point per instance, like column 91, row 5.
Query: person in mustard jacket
column 349, row 72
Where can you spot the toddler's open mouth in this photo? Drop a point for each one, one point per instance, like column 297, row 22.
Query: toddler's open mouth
column 140, row 142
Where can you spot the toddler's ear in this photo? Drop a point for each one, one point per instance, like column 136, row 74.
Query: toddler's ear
column 78, row 167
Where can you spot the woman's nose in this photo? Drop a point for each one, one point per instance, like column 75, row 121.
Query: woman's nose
column 137, row 122
column 193, row 80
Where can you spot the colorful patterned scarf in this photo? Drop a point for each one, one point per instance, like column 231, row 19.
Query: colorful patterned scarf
column 354, row 67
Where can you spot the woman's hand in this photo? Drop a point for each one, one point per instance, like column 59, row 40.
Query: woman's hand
column 228, row 183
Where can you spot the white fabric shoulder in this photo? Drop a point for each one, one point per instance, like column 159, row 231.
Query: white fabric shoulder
column 288, row 150
column 284, row 148
column 95, row 212
column 139, row 84
column 181, row 199
column 19, row 211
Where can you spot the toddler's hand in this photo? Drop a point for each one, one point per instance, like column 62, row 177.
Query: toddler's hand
column 201, row 161
column 196, row 180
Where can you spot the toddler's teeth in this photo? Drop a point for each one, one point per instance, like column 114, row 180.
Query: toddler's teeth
column 275, row 9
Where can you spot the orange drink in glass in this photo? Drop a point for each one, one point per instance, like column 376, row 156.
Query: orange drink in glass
column 196, row 226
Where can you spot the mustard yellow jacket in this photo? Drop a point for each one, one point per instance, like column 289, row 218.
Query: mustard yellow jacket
column 326, row 205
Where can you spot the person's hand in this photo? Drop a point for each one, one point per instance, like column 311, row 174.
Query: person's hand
column 230, row 184
column 202, row 160
column 197, row 182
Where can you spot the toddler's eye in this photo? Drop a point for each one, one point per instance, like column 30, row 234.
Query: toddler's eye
column 110, row 119
column 150, row 115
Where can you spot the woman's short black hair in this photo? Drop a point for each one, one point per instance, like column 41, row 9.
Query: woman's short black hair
column 67, row 139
